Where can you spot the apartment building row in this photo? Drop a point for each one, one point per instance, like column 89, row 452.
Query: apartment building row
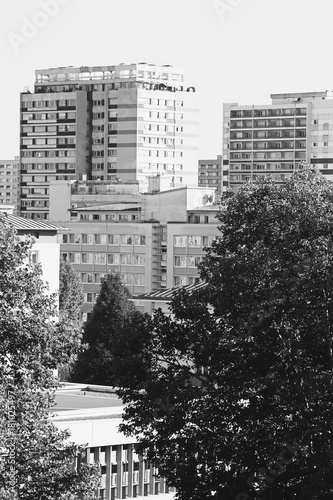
column 272, row 140
column 262, row 140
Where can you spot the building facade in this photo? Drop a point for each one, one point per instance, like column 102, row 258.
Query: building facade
column 124, row 122
column 273, row 140
column 210, row 174
column 9, row 176
column 155, row 240
column 45, row 249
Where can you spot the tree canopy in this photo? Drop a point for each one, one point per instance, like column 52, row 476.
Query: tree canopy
column 114, row 327
column 37, row 460
column 235, row 398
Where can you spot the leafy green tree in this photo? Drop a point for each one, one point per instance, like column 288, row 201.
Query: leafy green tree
column 236, row 401
column 115, row 326
column 37, row 460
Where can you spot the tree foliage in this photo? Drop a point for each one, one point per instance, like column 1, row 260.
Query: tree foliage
column 70, row 291
column 115, row 326
column 36, row 458
column 236, row 399
column 70, row 301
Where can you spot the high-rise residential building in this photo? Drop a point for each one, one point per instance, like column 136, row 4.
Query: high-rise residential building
column 262, row 140
column 125, row 122
column 9, row 170
column 210, row 174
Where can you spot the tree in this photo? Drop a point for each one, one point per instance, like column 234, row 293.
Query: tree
column 115, row 322
column 236, row 401
column 70, row 301
column 37, row 460
column 70, row 291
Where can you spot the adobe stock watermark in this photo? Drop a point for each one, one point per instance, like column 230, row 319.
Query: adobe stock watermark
column 263, row 477
column 225, row 7
column 8, row 446
column 31, row 27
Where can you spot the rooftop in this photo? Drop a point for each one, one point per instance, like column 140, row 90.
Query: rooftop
column 108, row 207
column 167, row 294
column 29, row 224
column 85, row 401
column 326, row 94
column 121, row 71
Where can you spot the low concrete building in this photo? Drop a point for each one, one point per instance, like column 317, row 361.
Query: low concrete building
column 92, row 414
column 45, row 249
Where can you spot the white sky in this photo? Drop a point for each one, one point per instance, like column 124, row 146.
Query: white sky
column 232, row 50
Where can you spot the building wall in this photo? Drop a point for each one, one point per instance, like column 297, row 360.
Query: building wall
column 186, row 244
column 124, row 474
column 48, row 254
column 210, row 174
column 96, row 249
column 172, row 205
column 9, row 173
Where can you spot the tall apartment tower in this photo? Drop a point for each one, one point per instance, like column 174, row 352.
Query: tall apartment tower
column 274, row 139
column 127, row 122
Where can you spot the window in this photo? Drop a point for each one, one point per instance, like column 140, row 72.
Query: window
column 88, row 297
column 34, row 256
column 113, row 259
column 86, row 277
column 194, row 241
column 98, row 277
column 208, row 240
column 126, row 239
column 87, row 258
column 113, row 239
column 100, row 258
column 180, row 280
column 75, row 238
column 100, row 239
column 74, row 258
column 193, row 261
column 139, row 260
column 180, row 261
column 126, row 259
column 139, row 240
column 180, row 241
